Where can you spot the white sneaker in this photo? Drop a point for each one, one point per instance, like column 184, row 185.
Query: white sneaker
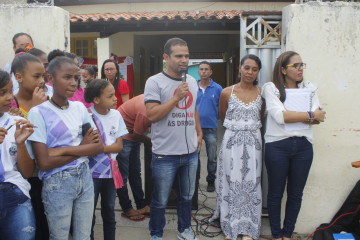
column 187, row 234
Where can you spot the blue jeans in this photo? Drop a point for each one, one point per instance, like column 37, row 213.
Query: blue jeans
column 289, row 159
column 130, row 168
column 17, row 219
column 106, row 188
column 69, row 196
column 166, row 169
column 210, row 138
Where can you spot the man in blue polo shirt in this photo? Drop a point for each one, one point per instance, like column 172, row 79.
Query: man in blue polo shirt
column 207, row 104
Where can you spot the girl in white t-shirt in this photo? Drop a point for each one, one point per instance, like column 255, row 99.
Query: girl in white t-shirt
column 111, row 127
column 17, row 219
column 64, row 138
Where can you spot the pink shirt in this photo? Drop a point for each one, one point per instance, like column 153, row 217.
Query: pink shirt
column 79, row 96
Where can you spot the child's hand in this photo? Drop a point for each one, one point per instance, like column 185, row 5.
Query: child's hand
column 38, row 96
column 3, row 133
column 23, row 130
column 15, row 112
column 91, row 136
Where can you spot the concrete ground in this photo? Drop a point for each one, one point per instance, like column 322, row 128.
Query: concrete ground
column 126, row 229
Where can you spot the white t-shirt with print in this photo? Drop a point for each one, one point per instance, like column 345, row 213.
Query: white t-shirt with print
column 8, row 156
column 59, row 128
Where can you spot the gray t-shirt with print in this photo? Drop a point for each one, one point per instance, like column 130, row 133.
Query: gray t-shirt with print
column 168, row 134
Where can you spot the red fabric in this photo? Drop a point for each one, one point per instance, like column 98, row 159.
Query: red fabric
column 129, row 77
column 121, row 89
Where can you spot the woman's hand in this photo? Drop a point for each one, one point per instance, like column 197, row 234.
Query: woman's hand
column 23, row 130
column 91, row 136
column 319, row 115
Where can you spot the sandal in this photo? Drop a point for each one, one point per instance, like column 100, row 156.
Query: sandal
column 246, row 237
column 145, row 211
column 133, row 215
column 227, row 238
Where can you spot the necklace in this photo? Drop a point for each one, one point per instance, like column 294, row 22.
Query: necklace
column 61, row 107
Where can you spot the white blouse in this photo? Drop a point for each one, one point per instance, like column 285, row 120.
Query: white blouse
column 275, row 125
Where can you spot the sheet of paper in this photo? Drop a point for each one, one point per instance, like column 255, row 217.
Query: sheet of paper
column 298, row 100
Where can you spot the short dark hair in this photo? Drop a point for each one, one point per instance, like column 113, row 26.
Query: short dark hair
column 172, row 42
column 252, row 57
column 70, row 55
column 20, row 62
column 56, row 63
column 91, row 71
column 36, row 52
column 54, row 54
column 207, row 63
column 4, row 78
column 19, row 35
column 94, row 89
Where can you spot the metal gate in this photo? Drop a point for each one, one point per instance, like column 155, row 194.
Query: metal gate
column 261, row 35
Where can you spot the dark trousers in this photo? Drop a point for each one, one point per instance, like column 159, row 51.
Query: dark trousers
column 289, row 159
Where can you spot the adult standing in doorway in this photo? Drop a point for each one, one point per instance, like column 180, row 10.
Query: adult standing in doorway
column 176, row 138
column 110, row 71
column 239, row 164
column 288, row 153
column 20, row 40
column 207, row 104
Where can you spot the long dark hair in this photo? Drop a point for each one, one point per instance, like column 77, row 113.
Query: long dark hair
column 278, row 76
column 117, row 76
column 252, row 57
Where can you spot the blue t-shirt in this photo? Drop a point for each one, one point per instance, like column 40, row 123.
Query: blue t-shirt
column 59, row 128
column 207, row 104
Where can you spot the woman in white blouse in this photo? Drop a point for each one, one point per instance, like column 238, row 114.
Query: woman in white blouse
column 288, row 150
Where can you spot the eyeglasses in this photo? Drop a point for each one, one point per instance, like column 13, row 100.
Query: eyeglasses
column 109, row 69
column 297, row 65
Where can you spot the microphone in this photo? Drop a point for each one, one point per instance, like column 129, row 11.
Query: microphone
column 183, row 74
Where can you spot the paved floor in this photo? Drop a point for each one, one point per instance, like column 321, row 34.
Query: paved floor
column 126, row 229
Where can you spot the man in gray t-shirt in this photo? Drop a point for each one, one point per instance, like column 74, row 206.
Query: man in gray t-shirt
column 176, row 138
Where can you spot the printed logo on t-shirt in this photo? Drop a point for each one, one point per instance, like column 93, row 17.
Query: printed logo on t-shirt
column 112, row 131
column 182, row 118
column 13, row 149
column 186, row 102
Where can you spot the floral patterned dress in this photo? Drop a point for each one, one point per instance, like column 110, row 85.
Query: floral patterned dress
column 239, row 169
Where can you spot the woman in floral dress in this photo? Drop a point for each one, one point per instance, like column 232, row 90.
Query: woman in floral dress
column 239, row 163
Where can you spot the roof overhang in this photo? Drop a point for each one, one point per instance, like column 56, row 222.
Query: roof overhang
column 110, row 23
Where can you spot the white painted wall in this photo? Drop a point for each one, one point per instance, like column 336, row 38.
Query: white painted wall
column 327, row 37
column 104, row 50
column 179, row 6
column 48, row 26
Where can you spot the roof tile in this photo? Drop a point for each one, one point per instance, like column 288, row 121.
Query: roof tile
column 148, row 16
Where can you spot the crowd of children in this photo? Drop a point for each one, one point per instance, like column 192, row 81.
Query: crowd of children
column 60, row 144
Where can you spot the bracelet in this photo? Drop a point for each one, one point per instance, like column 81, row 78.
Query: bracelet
column 311, row 116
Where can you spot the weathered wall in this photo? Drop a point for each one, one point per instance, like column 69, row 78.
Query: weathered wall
column 327, row 37
column 179, row 6
column 48, row 26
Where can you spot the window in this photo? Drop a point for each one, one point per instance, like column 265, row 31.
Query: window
column 85, row 47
